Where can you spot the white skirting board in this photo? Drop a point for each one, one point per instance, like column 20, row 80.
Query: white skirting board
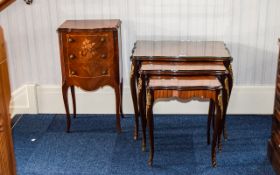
column 33, row 99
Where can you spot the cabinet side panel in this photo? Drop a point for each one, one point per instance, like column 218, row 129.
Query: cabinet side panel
column 274, row 142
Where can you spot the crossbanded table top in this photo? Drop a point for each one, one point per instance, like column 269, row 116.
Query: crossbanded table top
column 182, row 67
column 181, row 49
column 209, row 81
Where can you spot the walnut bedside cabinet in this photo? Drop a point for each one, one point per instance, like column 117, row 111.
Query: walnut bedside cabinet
column 90, row 52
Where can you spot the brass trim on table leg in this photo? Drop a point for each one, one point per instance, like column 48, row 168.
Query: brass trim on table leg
column 140, row 83
column 227, row 87
column 226, row 105
column 230, row 71
column 132, row 70
column 134, row 99
column 139, row 89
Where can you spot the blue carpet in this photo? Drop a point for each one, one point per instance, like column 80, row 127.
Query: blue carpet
column 93, row 147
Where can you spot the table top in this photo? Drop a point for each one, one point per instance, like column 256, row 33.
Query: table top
column 181, row 50
column 89, row 24
column 182, row 67
column 197, row 81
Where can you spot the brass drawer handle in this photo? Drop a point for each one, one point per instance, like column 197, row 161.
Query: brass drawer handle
column 102, row 39
column 73, row 72
column 104, row 72
column 70, row 40
column 72, row 56
column 103, row 56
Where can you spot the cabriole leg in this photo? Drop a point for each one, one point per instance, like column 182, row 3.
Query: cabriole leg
column 150, row 121
column 216, row 130
column 66, row 105
column 74, row 101
column 211, row 115
column 118, row 106
column 121, row 99
column 141, row 103
column 134, row 97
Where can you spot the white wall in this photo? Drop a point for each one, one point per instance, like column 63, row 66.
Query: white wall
column 250, row 28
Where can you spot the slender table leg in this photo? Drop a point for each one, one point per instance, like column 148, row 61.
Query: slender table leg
column 211, row 115
column 221, row 100
column 226, row 95
column 121, row 99
column 141, row 99
column 228, row 85
column 150, row 122
column 74, row 100
column 118, row 108
column 217, row 130
column 66, row 105
column 134, row 97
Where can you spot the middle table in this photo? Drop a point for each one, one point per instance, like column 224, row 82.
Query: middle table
column 179, row 52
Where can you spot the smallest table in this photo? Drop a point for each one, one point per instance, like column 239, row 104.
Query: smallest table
column 184, row 88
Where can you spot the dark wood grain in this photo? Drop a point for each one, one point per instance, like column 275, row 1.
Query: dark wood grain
column 90, row 53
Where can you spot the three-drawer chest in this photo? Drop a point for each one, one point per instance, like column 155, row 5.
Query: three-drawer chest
column 90, row 52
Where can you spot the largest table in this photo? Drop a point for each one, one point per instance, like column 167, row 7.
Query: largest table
column 175, row 51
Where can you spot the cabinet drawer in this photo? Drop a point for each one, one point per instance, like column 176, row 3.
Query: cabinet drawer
column 84, row 48
column 90, row 70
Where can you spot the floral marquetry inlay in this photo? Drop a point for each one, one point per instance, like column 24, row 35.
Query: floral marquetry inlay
column 87, row 48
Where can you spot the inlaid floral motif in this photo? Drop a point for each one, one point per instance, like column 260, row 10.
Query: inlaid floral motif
column 87, row 48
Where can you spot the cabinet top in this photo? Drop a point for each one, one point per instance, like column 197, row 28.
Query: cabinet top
column 97, row 24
